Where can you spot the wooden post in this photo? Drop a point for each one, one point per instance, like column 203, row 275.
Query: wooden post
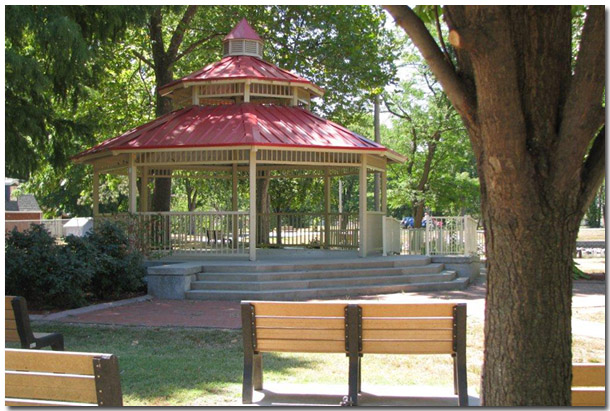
column 326, row 208
column 195, row 95
column 377, row 140
column 247, row 91
column 144, row 190
column 235, row 206
column 253, row 204
column 362, row 206
column 96, row 192
column 384, row 193
column 133, row 188
column 295, row 97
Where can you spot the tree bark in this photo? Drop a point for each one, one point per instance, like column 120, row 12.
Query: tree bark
column 516, row 93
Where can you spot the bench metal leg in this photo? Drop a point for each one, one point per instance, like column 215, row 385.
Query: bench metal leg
column 354, row 379
column 354, row 336
column 258, row 371
column 459, row 361
column 248, row 387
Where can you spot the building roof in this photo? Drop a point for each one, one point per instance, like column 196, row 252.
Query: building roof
column 239, row 67
column 25, row 202
column 244, row 31
column 244, row 124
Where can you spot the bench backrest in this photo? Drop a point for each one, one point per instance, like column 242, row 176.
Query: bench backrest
column 51, row 378
column 589, row 385
column 382, row 328
column 295, row 326
column 390, row 328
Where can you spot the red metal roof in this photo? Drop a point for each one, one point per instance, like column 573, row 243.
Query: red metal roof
column 243, row 30
column 245, row 124
column 240, row 67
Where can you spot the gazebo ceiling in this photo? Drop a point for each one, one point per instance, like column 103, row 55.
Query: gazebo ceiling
column 239, row 125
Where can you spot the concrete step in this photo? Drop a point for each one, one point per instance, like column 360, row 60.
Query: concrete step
column 323, row 282
column 313, row 264
column 458, row 283
column 331, row 272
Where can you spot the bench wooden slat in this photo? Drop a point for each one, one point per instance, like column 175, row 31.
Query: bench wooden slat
column 301, row 323
column 10, row 330
column 589, row 375
column 49, row 361
column 287, row 309
column 407, row 347
column 407, row 335
column 7, row 302
column 16, row 402
column 589, row 397
column 43, row 386
column 9, row 314
column 300, row 334
column 301, row 346
column 407, row 324
column 406, row 310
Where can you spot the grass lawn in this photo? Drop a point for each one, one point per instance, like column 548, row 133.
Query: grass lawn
column 181, row 366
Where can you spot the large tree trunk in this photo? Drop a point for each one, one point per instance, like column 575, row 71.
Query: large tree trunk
column 536, row 127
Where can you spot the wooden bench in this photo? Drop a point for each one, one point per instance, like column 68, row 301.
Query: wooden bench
column 17, row 327
column 49, row 378
column 589, row 385
column 353, row 329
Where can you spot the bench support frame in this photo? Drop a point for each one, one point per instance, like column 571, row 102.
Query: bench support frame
column 27, row 337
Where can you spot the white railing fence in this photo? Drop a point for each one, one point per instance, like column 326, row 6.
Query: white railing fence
column 441, row 236
column 223, row 232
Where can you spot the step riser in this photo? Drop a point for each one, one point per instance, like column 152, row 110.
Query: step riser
column 298, row 295
column 311, row 275
column 322, row 283
column 338, row 265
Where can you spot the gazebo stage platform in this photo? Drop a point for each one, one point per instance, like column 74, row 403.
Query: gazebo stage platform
column 304, row 275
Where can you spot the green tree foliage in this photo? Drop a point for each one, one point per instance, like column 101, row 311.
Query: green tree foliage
column 597, row 209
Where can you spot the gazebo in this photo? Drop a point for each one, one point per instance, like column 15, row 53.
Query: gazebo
column 243, row 118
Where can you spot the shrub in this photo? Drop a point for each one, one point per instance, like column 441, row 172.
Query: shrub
column 49, row 275
column 118, row 268
column 46, row 274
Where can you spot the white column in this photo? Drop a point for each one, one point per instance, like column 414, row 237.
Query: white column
column 253, row 204
column 195, row 91
column 327, row 208
column 247, row 91
column 384, row 193
column 234, row 204
column 133, row 188
column 362, row 206
column 96, row 192
column 144, row 190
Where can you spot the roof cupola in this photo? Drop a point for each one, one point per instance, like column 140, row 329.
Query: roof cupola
column 243, row 41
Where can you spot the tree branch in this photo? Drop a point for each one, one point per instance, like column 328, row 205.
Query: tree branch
column 196, row 44
column 462, row 100
column 145, row 60
column 581, row 109
column 178, row 36
column 593, row 170
column 404, row 114
column 156, row 35
column 440, row 37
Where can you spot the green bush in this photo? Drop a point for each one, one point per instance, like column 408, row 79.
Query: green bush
column 99, row 265
column 46, row 274
column 118, row 269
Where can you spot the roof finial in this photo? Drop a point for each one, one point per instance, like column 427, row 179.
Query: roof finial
column 243, row 41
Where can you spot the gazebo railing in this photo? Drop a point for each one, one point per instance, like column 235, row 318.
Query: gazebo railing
column 224, row 232
column 308, row 230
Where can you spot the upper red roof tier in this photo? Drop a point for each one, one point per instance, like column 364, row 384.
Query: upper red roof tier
column 245, row 124
column 239, row 67
column 244, row 31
